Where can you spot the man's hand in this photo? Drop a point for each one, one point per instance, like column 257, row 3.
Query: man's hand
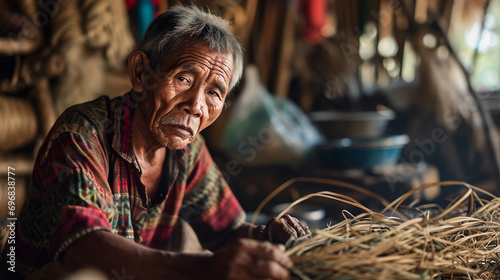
column 250, row 259
column 280, row 230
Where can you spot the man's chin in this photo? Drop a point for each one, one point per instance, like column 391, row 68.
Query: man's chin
column 175, row 143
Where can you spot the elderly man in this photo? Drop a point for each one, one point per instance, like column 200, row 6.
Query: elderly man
column 114, row 177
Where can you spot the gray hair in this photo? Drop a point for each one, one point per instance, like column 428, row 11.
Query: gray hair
column 181, row 24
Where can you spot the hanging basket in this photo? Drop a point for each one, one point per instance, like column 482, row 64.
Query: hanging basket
column 18, row 124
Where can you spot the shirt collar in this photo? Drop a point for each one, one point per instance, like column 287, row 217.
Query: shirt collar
column 122, row 107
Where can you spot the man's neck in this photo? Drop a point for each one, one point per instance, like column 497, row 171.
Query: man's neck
column 145, row 146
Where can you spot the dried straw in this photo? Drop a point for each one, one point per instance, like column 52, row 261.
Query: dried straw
column 458, row 241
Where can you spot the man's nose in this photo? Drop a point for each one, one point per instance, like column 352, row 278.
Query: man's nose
column 194, row 102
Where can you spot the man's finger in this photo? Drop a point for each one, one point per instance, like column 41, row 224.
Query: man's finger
column 295, row 224
column 290, row 229
column 304, row 227
column 266, row 250
column 269, row 269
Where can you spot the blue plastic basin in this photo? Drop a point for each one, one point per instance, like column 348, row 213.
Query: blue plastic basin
column 361, row 152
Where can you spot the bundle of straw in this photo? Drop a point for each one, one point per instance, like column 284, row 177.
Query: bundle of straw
column 458, row 241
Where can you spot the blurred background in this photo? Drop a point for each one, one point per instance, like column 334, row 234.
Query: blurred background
column 383, row 94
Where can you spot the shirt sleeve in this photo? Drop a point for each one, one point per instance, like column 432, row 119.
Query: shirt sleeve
column 209, row 205
column 70, row 195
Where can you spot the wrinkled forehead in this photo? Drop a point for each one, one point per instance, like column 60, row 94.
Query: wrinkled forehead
column 196, row 53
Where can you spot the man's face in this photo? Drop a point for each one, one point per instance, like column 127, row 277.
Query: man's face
column 190, row 96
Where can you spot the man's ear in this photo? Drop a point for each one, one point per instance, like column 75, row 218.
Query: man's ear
column 138, row 62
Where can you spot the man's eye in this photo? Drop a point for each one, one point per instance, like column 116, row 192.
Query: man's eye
column 182, row 79
column 213, row 92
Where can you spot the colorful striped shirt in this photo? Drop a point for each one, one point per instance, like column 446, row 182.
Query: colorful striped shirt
column 86, row 179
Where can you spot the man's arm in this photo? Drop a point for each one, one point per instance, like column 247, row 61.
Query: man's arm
column 111, row 254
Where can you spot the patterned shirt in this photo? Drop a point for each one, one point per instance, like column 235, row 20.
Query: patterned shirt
column 86, row 178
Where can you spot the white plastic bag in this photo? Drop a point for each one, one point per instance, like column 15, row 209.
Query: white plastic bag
column 264, row 129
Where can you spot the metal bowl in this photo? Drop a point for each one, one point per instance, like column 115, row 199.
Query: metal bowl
column 361, row 152
column 338, row 124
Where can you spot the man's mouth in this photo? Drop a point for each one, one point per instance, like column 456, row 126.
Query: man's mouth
column 184, row 128
column 179, row 129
